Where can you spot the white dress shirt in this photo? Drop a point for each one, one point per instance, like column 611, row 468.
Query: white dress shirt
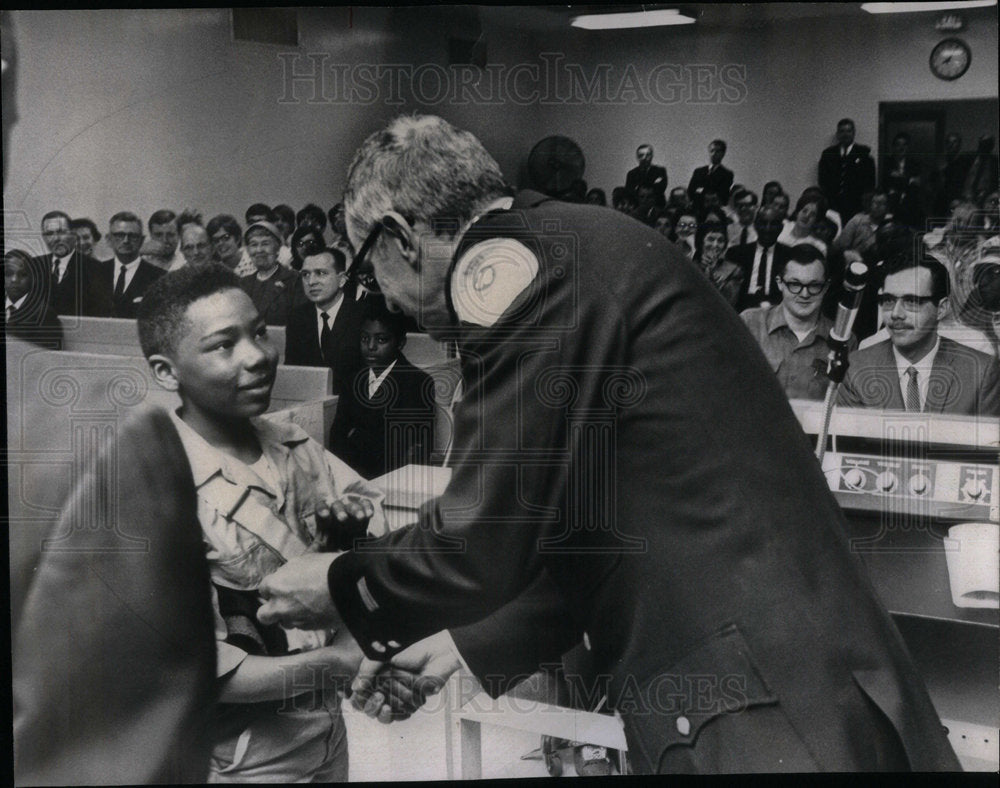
column 63, row 264
column 375, row 382
column 923, row 368
column 130, row 269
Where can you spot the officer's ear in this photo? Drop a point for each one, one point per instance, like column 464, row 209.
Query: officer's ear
column 403, row 235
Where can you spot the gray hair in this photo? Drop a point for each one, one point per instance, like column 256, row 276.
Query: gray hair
column 423, row 168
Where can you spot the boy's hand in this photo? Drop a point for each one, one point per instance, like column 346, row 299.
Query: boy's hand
column 341, row 523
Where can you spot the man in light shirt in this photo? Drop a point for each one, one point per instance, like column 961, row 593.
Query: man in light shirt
column 916, row 369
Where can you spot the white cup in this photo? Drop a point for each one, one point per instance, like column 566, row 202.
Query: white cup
column 973, row 554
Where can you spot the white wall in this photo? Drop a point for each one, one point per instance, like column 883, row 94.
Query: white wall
column 147, row 109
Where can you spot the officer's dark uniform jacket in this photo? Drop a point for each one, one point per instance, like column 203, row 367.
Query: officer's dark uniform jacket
column 624, row 452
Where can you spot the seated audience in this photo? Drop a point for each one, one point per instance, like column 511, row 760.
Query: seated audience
column 627, row 203
column 684, row 233
column 950, row 177
column 916, row 369
column 273, row 289
column 795, row 334
column 196, row 246
column 385, row 419
column 646, row 208
column 305, row 241
column 679, row 200
column 799, row 230
column 120, row 283
column 647, row 174
column 742, row 230
column 771, row 190
column 186, row 217
column 259, row 212
column 665, row 223
column 338, row 223
column 597, row 197
column 313, row 216
column 325, row 331
column 265, row 492
column 160, row 248
column 712, row 177
column 781, row 202
column 760, row 261
column 982, row 176
column 227, row 244
column 892, row 239
column 727, row 277
column 72, row 272
column 27, row 313
column 859, row 232
column 87, row 235
column 284, row 220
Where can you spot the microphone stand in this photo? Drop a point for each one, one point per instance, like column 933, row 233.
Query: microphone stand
column 836, row 364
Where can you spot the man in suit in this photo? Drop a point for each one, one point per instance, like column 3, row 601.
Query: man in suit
column 593, row 456
column 120, row 283
column 916, row 369
column 760, row 261
column 712, row 177
column 385, row 418
column 647, row 174
column 326, row 331
column 71, row 271
column 846, row 172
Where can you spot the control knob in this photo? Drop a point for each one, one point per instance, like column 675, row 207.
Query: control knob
column 974, row 488
column 919, row 484
column 854, row 478
column 886, row 481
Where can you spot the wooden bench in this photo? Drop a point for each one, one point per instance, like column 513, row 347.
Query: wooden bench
column 117, row 337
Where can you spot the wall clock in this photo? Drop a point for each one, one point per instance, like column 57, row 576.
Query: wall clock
column 950, row 58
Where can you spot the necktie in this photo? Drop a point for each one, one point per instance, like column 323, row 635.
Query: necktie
column 744, row 234
column 326, row 334
column 120, row 284
column 912, row 391
column 762, row 271
column 11, row 311
column 55, row 269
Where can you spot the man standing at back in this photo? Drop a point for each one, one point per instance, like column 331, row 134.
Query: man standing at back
column 647, row 174
column 846, row 172
column 591, row 453
column 713, row 177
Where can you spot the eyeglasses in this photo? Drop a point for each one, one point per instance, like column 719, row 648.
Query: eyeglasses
column 795, row 287
column 362, row 271
column 911, row 303
column 686, row 225
column 127, row 236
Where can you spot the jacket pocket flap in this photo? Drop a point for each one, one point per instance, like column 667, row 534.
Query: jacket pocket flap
column 715, row 678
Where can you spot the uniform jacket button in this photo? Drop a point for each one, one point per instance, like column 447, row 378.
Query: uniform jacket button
column 683, row 726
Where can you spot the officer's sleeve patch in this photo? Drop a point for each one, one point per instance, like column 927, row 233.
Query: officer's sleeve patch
column 489, row 277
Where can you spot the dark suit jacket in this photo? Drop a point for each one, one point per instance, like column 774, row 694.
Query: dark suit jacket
column 110, row 608
column 720, row 181
column 856, row 172
column 375, row 435
column 743, row 255
column 963, row 380
column 592, row 450
column 654, row 175
column 276, row 297
column 73, row 295
column 35, row 322
column 343, row 355
column 102, row 290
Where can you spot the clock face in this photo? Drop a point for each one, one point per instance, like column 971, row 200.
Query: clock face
column 950, row 58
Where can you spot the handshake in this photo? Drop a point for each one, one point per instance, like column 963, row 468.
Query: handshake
column 393, row 690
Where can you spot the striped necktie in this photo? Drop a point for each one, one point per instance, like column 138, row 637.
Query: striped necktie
column 912, row 391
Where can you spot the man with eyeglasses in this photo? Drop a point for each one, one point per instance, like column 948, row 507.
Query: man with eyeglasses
column 122, row 281
column 916, row 369
column 795, row 333
column 614, row 464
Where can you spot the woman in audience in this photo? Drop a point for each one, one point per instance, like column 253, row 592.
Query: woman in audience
column 87, row 235
column 771, row 190
column 597, row 197
column 781, row 202
column 226, row 236
column 306, row 240
column 800, row 230
column 712, row 240
column 273, row 289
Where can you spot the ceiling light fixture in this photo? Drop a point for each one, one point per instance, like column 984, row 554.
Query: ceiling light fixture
column 655, row 18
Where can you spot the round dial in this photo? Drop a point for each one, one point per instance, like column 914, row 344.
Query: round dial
column 950, row 58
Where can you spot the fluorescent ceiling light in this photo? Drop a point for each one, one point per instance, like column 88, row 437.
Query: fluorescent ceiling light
column 657, row 18
column 905, row 8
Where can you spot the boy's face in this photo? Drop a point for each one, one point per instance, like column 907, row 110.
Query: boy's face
column 223, row 366
column 16, row 278
column 379, row 345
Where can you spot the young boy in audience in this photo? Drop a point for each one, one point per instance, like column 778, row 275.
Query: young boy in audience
column 266, row 492
column 385, row 418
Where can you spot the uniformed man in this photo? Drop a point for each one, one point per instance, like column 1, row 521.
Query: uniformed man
column 604, row 470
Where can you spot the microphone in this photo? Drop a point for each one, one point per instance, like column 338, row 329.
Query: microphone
column 855, row 278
